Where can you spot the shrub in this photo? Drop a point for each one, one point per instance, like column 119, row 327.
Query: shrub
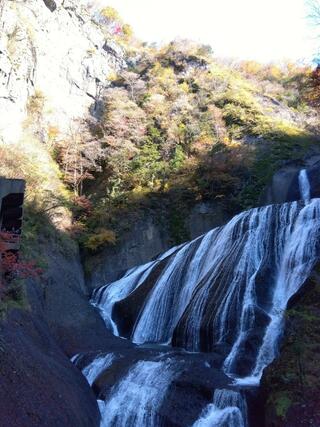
column 101, row 237
column 35, row 103
column 12, row 266
column 127, row 31
column 110, row 14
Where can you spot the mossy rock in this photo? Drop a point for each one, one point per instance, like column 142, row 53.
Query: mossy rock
column 291, row 383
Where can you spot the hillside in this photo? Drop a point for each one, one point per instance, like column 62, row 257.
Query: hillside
column 142, row 127
column 180, row 125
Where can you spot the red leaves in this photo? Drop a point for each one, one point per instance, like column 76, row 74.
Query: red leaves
column 11, row 266
column 117, row 29
column 83, row 204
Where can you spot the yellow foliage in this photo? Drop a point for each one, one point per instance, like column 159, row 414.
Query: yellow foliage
column 251, row 68
column 274, row 72
column 164, row 73
column 53, row 132
column 112, row 76
column 110, row 13
column 36, row 103
column 185, row 87
column 285, row 128
column 233, row 144
column 203, row 143
column 100, row 238
column 164, row 80
column 91, row 51
column 127, row 31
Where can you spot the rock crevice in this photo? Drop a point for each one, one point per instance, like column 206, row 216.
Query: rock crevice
column 59, row 55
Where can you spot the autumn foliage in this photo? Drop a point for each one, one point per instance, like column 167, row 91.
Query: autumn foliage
column 313, row 88
column 12, row 266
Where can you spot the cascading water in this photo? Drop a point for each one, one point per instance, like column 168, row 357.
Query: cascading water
column 105, row 298
column 249, row 269
column 135, row 401
column 228, row 288
column 304, row 186
column 96, row 367
column 228, row 409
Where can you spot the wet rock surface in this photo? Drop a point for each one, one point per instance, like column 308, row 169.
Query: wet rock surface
column 192, row 388
column 39, row 384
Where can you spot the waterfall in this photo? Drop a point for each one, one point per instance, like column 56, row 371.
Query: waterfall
column 105, row 297
column 228, row 288
column 96, row 367
column 163, row 310
column 135, row 401
column 228, row 409
column 304, row 186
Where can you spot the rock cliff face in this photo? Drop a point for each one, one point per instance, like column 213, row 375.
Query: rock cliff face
column 147, row 238
column 284, row 185
column 64, row 304
column 39, row 385
column 53, row 50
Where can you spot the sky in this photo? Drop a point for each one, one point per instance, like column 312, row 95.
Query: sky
column 262, row 30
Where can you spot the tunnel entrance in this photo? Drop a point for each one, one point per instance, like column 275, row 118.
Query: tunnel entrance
column 11, row 209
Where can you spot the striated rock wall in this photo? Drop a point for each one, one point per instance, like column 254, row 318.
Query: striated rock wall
column 54, row 50
column 147, row 238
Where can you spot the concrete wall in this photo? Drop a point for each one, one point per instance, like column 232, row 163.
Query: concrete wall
column 8, row 186
column 11, row 203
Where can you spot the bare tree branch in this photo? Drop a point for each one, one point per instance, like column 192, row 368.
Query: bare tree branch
column 314, row 11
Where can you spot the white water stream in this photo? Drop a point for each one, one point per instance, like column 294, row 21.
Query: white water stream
column 228, row 287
